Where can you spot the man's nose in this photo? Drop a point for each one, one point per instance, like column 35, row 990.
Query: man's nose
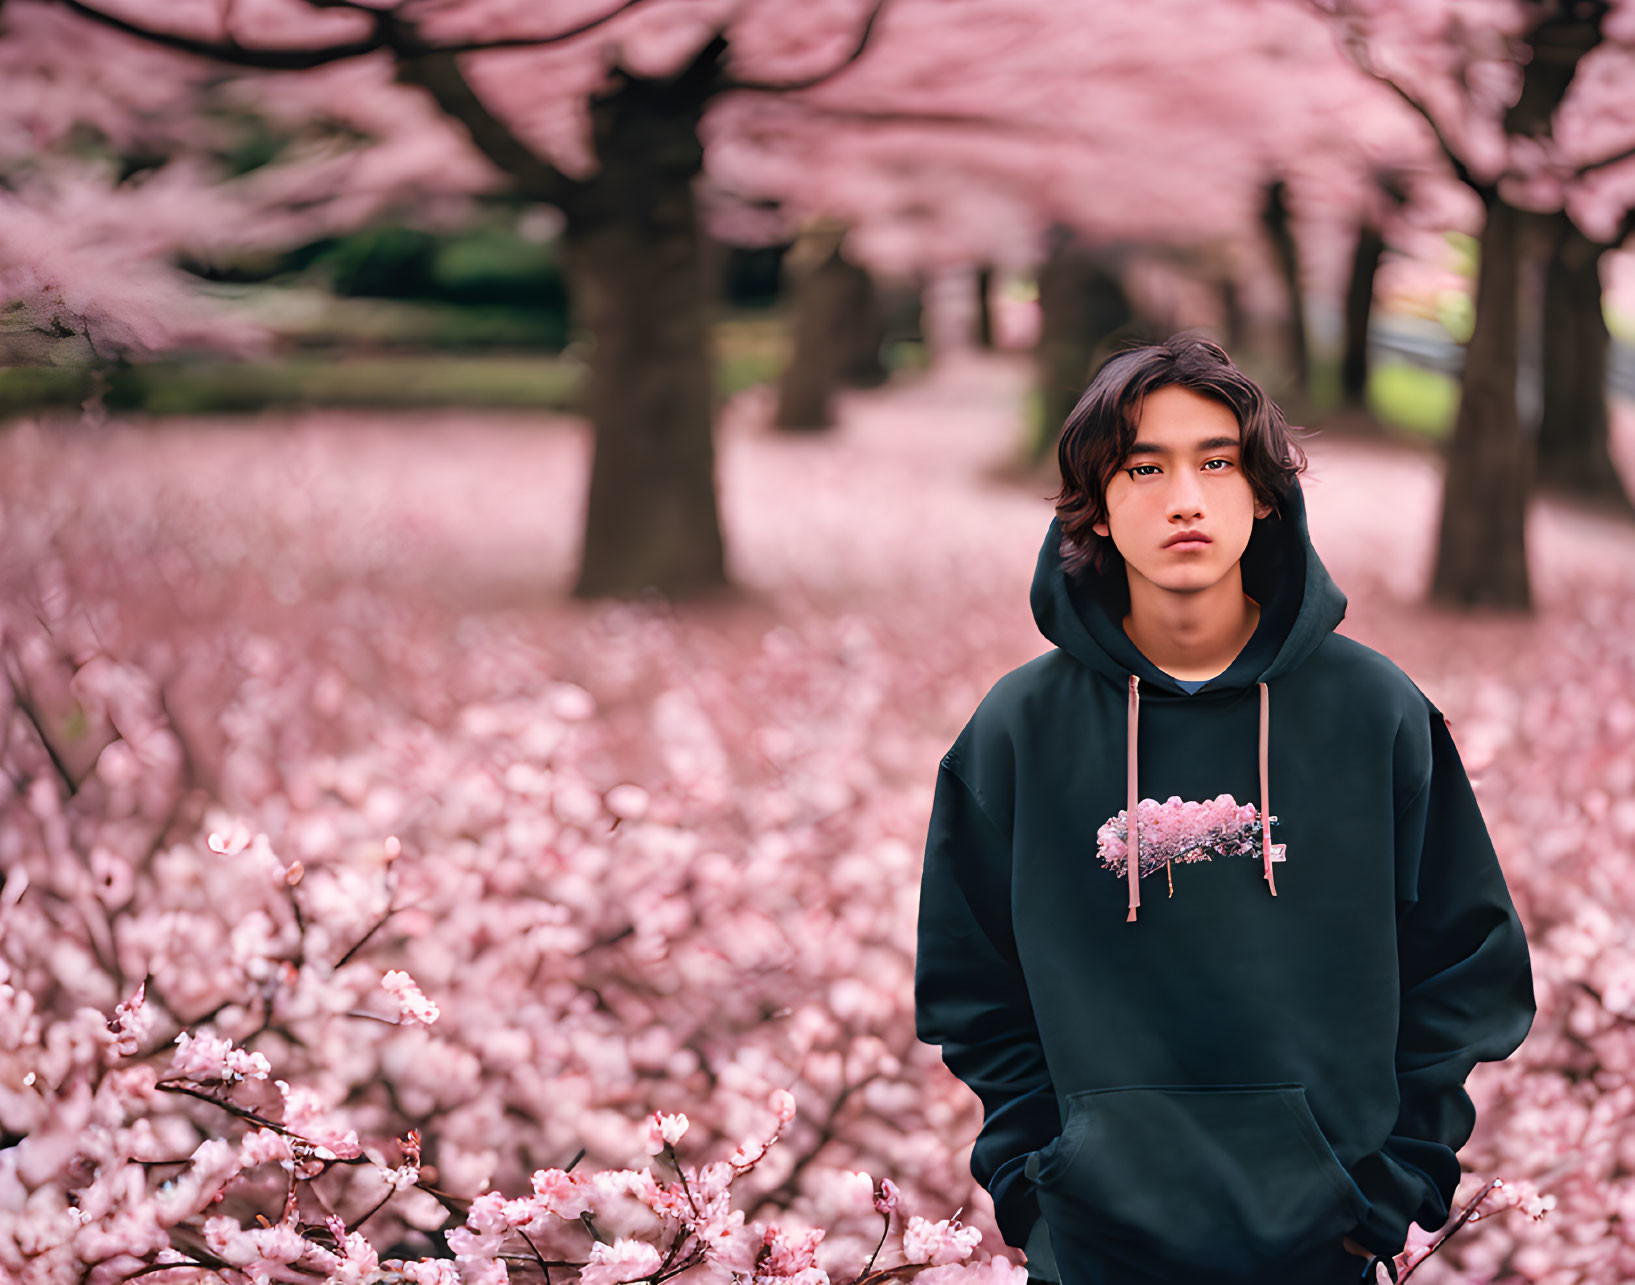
column 1185, row 496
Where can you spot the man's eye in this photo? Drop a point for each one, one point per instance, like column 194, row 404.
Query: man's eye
column 1228, row 464
column 1136, row 470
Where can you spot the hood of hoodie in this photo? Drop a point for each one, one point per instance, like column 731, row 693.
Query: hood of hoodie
column 1300, row 605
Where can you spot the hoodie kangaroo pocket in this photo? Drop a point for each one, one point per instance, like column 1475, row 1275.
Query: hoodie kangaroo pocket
column 1231, row 1179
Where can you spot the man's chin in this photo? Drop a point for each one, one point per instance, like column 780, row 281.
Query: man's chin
column 1186, row 579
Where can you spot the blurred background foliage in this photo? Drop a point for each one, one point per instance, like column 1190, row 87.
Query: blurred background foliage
column 392, row 315
column 219, row 234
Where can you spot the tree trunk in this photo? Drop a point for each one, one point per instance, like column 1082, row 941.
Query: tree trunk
column 1359, row 309
column 1082, row 305
column 636, row 258
column 862, row 329
column 839, row 328
column 901, row 311
column 1481, row 557
column 1573, row 448
column 1279, row 230
column 1233, row 322
column 984, row 308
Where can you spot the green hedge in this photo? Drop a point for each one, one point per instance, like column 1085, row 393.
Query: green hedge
column 383, row 382
column 176, row 388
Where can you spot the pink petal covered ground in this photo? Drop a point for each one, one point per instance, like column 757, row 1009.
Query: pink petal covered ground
column 330, row 720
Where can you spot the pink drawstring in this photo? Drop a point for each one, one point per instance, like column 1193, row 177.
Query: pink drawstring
column 1265, row 788
column 1132, row 833
column 1132, row 838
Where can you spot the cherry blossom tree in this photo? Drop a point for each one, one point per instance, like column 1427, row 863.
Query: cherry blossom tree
column 596, row 114
column 1574, row 438
column 839, row 327
column 1100, row 131
column 1094, row 119
column 90, row 234
column 1528, row 104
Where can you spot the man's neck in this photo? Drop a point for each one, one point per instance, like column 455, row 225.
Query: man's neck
column 1191, row 636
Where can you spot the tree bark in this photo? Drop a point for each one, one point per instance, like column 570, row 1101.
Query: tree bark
column 1082, row 305
column 1359, row 310
column 984, row 308
column 902, row 309
column 1574, row 453
column 1481, row 557
column 1233, row 321
column 1280, row 231
column 637, row 261
column 863, row 331
column 839, row 328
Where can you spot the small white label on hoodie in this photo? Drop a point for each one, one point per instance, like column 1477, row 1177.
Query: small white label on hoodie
column 1277, row 851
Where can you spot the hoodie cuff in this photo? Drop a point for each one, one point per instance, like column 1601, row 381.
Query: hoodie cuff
column 1394, row 1195
column 1016, row 1210
column 1367, row 1236
column 1041, row 1263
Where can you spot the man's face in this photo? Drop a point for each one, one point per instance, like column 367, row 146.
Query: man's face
column 1182, row 474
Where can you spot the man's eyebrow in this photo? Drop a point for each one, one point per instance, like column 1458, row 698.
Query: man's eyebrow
column 1208, row 444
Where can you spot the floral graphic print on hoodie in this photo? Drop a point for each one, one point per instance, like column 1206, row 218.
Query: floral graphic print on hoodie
column 1209, row 1065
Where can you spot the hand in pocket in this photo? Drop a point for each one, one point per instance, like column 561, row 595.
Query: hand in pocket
column 1171, row 1181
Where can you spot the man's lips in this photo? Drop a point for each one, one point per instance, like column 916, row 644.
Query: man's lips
column 1187, row 540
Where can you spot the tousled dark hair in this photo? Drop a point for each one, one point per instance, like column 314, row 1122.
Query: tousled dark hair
column 1098, row 434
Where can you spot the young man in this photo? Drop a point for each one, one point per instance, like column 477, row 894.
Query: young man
column 1241, row 1056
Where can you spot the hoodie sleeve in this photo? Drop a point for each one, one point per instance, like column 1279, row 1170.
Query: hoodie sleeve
column 970, row 998
column 1467, row 997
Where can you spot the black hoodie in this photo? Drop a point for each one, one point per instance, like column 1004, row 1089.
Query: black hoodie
column 1212, row 1072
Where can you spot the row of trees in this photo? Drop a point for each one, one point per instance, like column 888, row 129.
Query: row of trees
column 1507, row 106
column 1061, row 138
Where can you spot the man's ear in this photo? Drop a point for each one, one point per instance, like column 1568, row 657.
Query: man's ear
column 1101, row 529
column 1263, row 510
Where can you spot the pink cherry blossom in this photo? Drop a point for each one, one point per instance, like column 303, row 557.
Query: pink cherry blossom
column 264, row 1253
column 624, row 1260
column 208, row 1057
column 425, row 1271
column 627, row 800
column 1182, row 830
column 938, row 1243
column 131, row 1023
column 482, row 1271
column 263, row 1145
column 792, row 1251
column 563, row 1193
column 232, row 841
column 357, row 1261
column 414, row 1006
column 729, row 1244
column 664, row 1130
column 214, row 1162
column 306, row 1115
column 783, row 1102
